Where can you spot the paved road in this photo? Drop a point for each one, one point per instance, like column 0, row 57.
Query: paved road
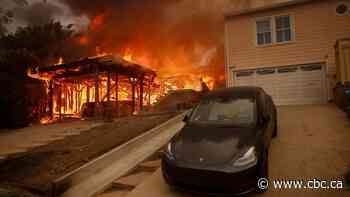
column 313, row 142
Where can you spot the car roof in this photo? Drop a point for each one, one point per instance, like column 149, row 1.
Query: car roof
column 234, row 92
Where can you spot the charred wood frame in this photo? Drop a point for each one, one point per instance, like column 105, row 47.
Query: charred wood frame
column 90, row 80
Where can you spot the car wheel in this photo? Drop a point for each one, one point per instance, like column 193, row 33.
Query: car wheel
column 263, row 173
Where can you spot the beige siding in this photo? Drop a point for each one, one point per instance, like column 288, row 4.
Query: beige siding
column 317, row 27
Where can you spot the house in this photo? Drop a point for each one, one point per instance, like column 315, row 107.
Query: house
column 287, row 48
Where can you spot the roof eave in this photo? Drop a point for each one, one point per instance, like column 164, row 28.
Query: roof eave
column 267, row 8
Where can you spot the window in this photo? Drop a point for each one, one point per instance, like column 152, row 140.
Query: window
column 275, row 29
column 240, row 112
column 245, row 73
column 266, row 71
column 283, row 29
column 311, row 67
column 287, row 69
column 264, row 31
column 342, row 9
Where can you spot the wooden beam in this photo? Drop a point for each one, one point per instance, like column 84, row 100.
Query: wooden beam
column 133, row 82
column 117, row 92
column 108, row 86
column 133, row 89
column 97, row 92
column 97, row 86
column 65, row 99
column 77, row 99
column 59, row 100
column 149, row 92
column 87, row 94
column 141, row 93
column 51, row 99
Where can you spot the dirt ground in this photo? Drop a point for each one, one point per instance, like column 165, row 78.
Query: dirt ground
column 313, row 143
column 19, row 141
column 36, row 169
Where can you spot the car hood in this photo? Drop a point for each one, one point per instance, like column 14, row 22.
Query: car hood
column 211, row 145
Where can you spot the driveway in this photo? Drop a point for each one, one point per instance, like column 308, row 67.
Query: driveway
column 313, row 143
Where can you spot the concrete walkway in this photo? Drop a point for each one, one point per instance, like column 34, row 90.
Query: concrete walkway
column 21, row 140
column 313, row 142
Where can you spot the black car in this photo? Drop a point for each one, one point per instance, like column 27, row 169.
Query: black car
column 223, row 147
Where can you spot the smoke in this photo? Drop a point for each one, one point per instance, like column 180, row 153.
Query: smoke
column 37, row 13
column 172, row 36
column 166, row 31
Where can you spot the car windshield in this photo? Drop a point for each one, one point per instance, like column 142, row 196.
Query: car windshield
column 233, row 112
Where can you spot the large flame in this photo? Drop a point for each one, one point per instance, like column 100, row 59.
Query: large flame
column 172, row 74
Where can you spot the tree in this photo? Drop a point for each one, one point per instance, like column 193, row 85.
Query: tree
column 28, row 46
column 45, row 42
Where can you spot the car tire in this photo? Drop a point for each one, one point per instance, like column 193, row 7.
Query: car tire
column 275, row 129
column 263, row 172
column 164, row 174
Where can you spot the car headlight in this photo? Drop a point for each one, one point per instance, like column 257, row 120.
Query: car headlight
column 248, row 159
column 169, row 150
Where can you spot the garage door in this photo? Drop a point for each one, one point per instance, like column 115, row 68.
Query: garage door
column 290, row 85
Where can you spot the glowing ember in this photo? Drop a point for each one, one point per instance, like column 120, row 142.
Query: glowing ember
column 60, row 61
column 46, row 120
column 127, row 58
column 83, row 40
column 33, row 75
column 97, row 22
column 100, row 53
column 209, row 81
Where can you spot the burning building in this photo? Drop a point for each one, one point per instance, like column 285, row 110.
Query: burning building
column 183, row 48
column 97, row 86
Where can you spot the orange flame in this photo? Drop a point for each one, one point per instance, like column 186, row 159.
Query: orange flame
column 210, row 81
column 128, row 55
column 36, row 76
column 60, row 61
column 97, row 22
column 46, row 120
column 83, row 40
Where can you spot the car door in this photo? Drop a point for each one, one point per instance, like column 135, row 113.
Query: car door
column 267, row 111
column 270, row 113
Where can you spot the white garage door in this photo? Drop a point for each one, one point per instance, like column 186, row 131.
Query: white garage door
column 290, row 85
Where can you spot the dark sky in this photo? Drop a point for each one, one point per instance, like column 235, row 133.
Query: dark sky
column 40, row 11
column 81, row 11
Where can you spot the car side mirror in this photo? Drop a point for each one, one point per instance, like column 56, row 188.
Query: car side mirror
column 185, row 118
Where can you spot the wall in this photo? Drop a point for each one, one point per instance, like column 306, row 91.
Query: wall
column 317, row 27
